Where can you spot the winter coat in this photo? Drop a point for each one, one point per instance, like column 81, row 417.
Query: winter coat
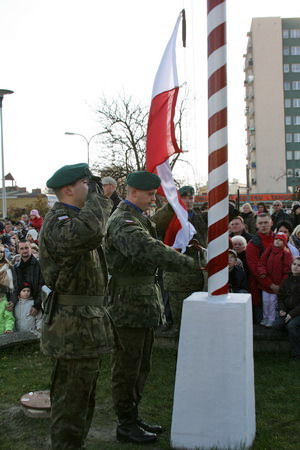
column 275, row 264
column 250, row 221
column 254, row 250
column 24, row 321
column 289, row 296
column 29, row 271
column 7, row 320
column 237, row 279
column 281, row 216
column 36, row 223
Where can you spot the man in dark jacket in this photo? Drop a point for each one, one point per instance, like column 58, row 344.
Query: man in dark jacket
column 279, row 215
column 110, row 190
column 27, row 270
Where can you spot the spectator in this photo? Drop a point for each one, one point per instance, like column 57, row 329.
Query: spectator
column 110, row 190
column 237, row 276
column 279, row 215
column 295, row 239
column 204, row 207
column 239, row 245
column 20, row 229
column 262, row 239
column 289, row 307
column 286, row 228
column 272, row 268
column 24, row 320
column 27, row 269
column 7, row 320
column 36, row 221
column 249, row 218
column 237, row 228
column 25, row 219
column 295, row 216
column 261, row 208
column 32, row 236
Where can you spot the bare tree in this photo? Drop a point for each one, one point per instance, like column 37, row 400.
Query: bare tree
column 124, row 126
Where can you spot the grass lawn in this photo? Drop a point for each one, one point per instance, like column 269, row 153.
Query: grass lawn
column 24, row 369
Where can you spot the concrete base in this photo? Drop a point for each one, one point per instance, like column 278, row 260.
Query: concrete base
column 214, row 404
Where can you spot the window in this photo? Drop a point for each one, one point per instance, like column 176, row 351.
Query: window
column 296, row 120
column 286, row 51
column 297, row 154
column 285, row 34
column 286, row 68
column 297, row 172
column 287, row 85
column 288, row 137
column 295, row 50
column 287, row 102
column 289, row 173
column 294, row 34
column 295, row 67
column 288, row 120
column 289, row 155
column 296, row 137
column 296, row 85
column 296, row 102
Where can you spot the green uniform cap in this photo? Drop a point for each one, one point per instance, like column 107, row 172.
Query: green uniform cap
column 186, row 190
column 67, row 175
column 143, row 180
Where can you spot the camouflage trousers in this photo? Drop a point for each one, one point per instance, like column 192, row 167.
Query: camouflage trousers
column 72, row 394
column 131, row 364
column 176, row 302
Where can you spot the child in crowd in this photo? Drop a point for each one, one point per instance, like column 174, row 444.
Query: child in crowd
column 32, row 236
column 289, row 307
column 25, row 321
column 237, row 276
column 7, row 320
column 273, row 267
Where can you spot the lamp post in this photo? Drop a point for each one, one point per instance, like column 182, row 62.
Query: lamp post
column 4, row 210
column 88, row 141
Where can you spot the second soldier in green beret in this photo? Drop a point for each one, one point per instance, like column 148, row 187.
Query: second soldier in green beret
column 134, row 254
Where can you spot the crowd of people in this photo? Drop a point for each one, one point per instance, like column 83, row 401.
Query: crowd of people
column 20, row 275
column 91, row 229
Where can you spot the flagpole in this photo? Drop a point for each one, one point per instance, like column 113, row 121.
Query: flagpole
column 217, row 149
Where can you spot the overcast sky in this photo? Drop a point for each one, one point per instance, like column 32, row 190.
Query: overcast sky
column 59, row 56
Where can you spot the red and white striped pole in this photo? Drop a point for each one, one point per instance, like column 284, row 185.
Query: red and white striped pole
column 217, row 149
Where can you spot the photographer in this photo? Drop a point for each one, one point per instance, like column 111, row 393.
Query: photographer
column 76, row 329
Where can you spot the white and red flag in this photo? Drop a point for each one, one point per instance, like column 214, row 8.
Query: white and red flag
column 161, row 142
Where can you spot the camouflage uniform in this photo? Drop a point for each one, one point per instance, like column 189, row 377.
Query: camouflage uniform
column 79, row 329
column 180, row 286
column 134, row 253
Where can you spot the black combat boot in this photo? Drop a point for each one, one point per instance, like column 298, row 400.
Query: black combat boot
column 157, row 429
column 130, row 431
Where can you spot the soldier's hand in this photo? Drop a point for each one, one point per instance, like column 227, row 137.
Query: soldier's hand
column 95, row 184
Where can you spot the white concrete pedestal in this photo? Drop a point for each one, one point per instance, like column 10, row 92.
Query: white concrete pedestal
column 214, row 404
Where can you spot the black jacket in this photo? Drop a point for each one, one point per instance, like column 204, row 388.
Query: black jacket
column 30, row 272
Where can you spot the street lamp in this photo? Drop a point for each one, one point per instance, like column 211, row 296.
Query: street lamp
column 86, row 140
column 4, row 210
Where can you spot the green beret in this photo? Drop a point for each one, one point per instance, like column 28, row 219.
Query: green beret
column 186, row 190
column 143, row 180
column 67, row 175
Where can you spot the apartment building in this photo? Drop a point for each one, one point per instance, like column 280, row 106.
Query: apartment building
column 272, row 110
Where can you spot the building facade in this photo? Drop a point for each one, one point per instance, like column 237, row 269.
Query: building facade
column 272, row 97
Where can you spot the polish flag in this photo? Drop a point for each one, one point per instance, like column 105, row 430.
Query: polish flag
column 161, row 143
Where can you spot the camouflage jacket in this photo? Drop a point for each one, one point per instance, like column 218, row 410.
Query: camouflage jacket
column 73, row 263
column 134, row 254
column 194, row 280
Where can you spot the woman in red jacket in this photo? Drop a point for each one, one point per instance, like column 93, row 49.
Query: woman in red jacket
column 36, row 221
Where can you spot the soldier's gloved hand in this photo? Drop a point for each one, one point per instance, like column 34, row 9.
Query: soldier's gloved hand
column 95, row 184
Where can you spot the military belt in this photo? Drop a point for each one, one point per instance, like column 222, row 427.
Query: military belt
column 132, row 280
column 80, row 300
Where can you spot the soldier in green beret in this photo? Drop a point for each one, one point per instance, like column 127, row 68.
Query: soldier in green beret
column 134, row 254
column 76, row 329
column 180, row 286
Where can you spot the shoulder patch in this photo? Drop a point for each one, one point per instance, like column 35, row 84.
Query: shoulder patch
column 63, row 217
column 129, row 221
